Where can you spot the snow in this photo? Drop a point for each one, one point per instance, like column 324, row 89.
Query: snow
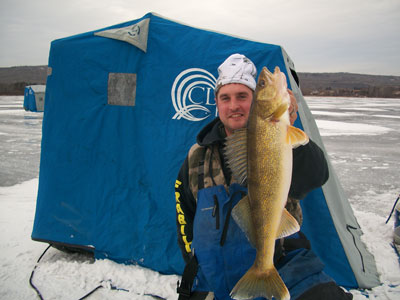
column 344, row 128
column 60, row 275
column 369, row 177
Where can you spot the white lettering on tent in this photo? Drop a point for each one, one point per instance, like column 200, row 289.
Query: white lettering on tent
column 192, row 95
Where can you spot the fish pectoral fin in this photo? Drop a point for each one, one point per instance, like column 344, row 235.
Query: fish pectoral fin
column 296, row 137
column 288, row 225
column 279, row 111
column 242, row 215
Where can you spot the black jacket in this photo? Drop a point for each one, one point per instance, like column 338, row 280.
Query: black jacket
column 310, row 170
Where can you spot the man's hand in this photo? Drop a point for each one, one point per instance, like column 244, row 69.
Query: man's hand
column 292, row 108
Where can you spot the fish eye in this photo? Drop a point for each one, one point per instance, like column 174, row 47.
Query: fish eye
column 262, row 83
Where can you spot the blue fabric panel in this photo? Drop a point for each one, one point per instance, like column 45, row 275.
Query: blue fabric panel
column 26, row 98
column 320, row 230
column 107, row 172
column 32, row 102
column 29, row 99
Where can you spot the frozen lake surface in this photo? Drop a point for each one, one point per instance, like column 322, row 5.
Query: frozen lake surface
column 20, row 138
column 361, row 136
column 362, row 139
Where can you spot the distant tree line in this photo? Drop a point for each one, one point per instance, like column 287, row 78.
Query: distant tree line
column 16, row 88
column 349, row 85
column 14, row 79
column 371, row 92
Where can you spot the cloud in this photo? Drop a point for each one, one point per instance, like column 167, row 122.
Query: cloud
column 319, row 35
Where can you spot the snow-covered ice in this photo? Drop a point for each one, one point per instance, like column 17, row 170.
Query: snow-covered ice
column 361, row 136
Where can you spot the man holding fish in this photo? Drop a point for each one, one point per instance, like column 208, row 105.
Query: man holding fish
column 238, row 192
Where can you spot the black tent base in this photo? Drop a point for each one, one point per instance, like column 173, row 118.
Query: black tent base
column 69, row 248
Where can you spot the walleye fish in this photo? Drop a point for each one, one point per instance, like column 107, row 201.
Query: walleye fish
column 262, row 154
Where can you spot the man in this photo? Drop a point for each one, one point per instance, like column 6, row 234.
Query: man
column 212, row 244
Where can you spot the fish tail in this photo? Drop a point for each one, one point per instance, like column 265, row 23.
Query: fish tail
column 256, row 283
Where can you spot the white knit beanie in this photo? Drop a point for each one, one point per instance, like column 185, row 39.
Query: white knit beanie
column 237, row 68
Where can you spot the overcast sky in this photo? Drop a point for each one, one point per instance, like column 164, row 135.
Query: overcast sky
column 357, row 36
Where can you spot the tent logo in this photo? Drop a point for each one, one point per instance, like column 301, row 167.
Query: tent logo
column 135, row 31
column 192, row 95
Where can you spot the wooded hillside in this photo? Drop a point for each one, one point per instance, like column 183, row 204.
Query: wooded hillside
column 14, row 79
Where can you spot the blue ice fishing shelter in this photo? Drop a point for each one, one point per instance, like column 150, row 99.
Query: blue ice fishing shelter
column 123, row 107
column 34, row 98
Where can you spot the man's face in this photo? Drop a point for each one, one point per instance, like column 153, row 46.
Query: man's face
column 233, row 103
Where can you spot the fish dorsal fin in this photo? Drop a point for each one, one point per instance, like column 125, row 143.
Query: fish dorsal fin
column 279, row 111
column 288, row 225
column 242, row 215
column 236, row 154
column 296, row 137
